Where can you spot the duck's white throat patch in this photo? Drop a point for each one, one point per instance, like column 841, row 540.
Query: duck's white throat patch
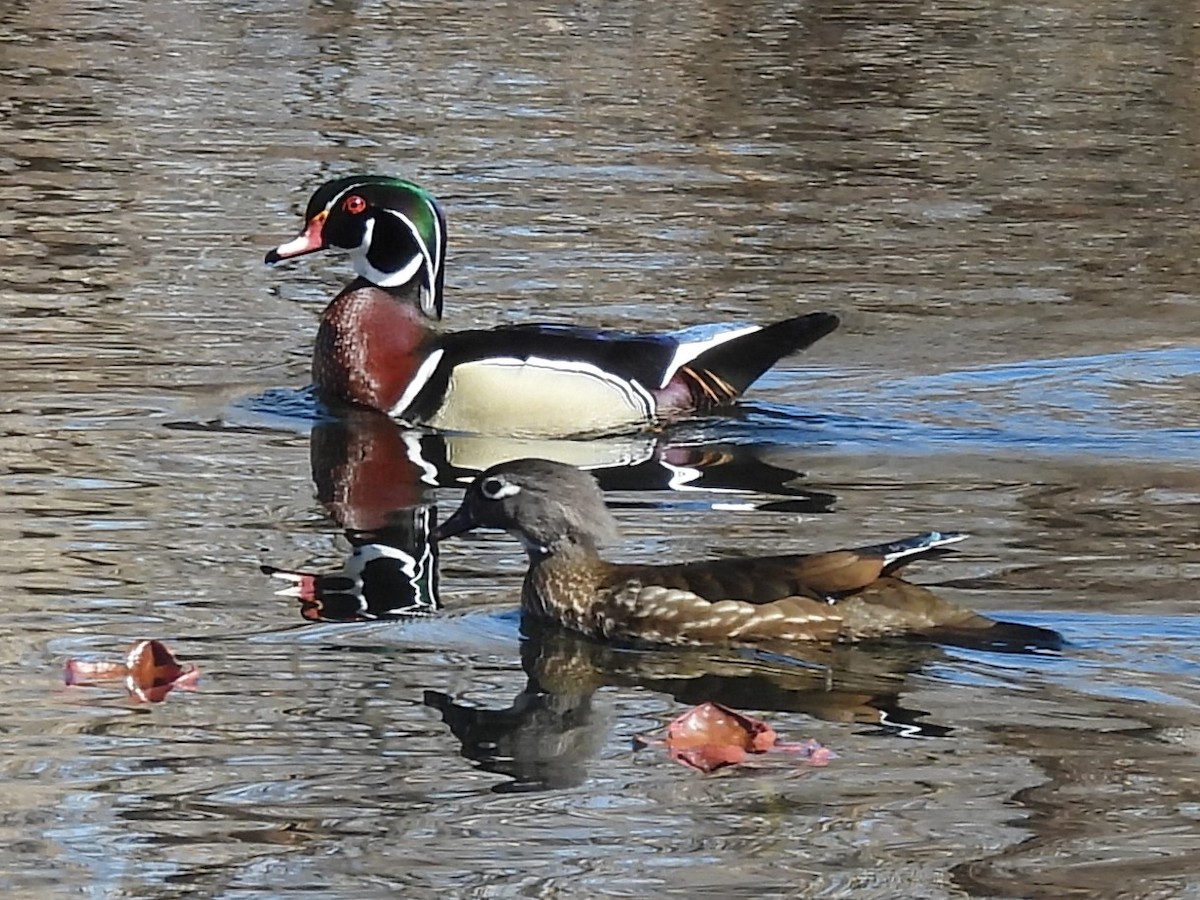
column 362, row 263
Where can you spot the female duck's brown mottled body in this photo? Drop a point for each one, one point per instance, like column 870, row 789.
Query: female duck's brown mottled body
column 558, row 513
column 676, row 604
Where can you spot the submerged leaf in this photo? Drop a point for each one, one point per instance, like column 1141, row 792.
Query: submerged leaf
column 711, row 736
column 815, row 753
column 709, row 757
column 85, row 671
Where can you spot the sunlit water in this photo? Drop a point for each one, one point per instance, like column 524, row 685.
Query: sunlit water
column 1000, row 201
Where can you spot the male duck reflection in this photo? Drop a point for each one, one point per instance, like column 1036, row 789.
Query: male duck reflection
column 375, row 346
column 376, row 481
column 558, row 513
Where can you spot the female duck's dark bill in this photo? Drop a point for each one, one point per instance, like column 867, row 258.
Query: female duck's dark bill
column 457, row 524
column 310, row 240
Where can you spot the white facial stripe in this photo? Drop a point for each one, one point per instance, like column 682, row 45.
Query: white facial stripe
column 419, row 380
column 393, row 279
column 437, row 238
column 362, row 265
column 351, row 187
column 430, row 260
column 429, row 294
column 430, row 264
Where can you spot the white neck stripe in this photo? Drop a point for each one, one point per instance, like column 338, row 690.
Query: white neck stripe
column 430, row 267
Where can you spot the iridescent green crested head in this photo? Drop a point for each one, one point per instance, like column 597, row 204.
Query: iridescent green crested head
column 394, row 229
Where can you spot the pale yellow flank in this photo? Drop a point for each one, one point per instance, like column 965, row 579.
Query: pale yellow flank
column 490, row 395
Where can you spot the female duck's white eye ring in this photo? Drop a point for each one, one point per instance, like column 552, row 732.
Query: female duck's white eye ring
column 496, row 488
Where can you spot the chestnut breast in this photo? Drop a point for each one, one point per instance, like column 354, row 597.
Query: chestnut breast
column 368, row 347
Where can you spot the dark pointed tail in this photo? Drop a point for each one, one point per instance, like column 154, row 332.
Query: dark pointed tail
column 720, row 375
column 1000, row 637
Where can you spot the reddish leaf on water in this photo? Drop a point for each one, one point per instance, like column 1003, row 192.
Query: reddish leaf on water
column 150, row 672
column 711, row 736
column 712, row 724
column 153, row 671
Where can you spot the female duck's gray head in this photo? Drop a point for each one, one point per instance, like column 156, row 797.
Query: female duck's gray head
column 545, row 504
column 395, row 232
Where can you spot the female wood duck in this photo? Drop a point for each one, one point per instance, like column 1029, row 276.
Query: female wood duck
column 558, row 514
column 376, row 346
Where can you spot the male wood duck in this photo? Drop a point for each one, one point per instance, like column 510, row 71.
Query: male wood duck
column 376, row 345
column 558, row 514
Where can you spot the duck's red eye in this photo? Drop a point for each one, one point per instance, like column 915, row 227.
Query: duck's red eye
column 354, row 204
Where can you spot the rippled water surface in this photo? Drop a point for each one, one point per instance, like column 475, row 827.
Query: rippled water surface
column 1001, row 201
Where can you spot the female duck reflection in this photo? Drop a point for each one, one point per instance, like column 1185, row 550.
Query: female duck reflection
column 545, row 738
column 376, row 480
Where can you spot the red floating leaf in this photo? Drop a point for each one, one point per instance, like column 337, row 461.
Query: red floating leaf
column 150, row 671
column 712, row 723
column 154, row 671
column 711, row 736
